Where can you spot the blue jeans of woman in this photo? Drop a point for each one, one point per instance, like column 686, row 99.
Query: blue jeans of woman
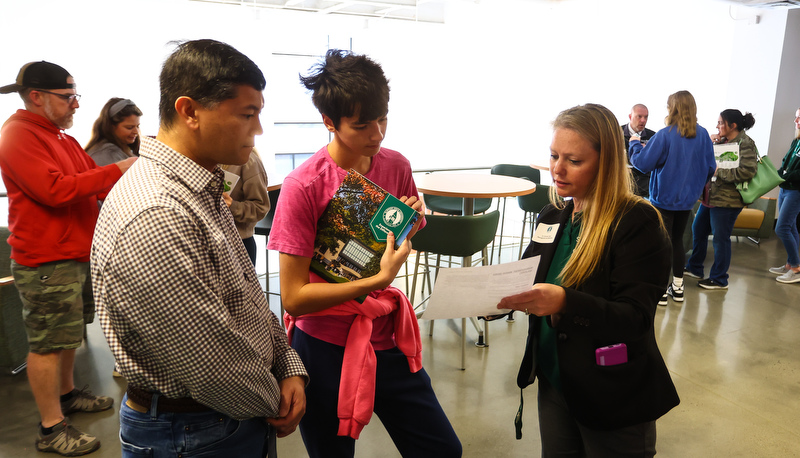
column 196, row 435
column 719, row 221
column 786, row 227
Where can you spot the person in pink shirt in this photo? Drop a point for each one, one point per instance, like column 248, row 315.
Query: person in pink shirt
column 361, row 358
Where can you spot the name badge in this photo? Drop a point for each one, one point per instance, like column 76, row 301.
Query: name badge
column 545, row 233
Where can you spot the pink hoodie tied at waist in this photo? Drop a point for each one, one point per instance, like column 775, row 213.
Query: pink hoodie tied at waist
column 357, row 385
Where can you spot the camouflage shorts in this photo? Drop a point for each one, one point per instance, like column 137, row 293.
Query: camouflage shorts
column 56, row 302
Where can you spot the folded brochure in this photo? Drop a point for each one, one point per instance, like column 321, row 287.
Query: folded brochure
column 352, row 231
column 727, row 155
column 230, row 181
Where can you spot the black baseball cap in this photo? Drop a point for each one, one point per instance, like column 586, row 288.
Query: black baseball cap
column 39, row 75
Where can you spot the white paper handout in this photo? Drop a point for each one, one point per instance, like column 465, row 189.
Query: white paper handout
column 230, row 180
column 727, row 155
column 475, row 291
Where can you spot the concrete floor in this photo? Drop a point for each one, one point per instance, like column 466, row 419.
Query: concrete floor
column 733, row 356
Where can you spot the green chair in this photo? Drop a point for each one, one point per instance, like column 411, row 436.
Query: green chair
column 517, row 171
column 453, row 205
column 13, row 339
column 757, row 220
column 532, row 204
column 452, row 236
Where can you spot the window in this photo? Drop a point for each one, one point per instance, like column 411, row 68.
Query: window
column 297, row 131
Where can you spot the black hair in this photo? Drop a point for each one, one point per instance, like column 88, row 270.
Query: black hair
column 732, row 116
column 207, row 71
column 344, row 84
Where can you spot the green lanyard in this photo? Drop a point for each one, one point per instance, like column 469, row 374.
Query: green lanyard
column 546, row 352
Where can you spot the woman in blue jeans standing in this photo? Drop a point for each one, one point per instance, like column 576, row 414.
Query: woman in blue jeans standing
column 788, row 209
column 718, row 213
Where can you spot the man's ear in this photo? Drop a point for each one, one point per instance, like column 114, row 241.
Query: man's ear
column 186, row 108
column 35, row 98
column 328, row 123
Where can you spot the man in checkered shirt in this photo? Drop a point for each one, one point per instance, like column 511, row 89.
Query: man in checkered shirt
column 177, row 296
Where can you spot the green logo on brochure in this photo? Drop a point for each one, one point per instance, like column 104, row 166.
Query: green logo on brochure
column 390, row 217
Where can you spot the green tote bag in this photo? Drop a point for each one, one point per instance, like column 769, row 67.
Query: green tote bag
column 764, row 181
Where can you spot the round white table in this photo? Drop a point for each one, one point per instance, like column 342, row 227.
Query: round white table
column 471, row 186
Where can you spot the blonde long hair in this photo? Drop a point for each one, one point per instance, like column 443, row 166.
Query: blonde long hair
column 601, row 210
column 682, row 113
column 797, row 131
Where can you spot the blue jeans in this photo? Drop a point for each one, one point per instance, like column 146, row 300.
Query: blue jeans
column 196, row 435
column 719, row 221
column 786, row 227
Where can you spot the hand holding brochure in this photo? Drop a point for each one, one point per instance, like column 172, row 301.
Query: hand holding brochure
column 475, row 291
column 352, row 231
column 727, row 155
column 230, row 181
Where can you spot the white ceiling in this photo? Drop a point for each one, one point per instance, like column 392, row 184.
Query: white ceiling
column 414, row 10
column 768, row 3
column 411, row 10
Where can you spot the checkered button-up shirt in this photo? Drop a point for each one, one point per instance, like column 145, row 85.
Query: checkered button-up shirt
column 177, row 295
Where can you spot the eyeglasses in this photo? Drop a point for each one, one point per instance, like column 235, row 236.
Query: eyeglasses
column 68, row 97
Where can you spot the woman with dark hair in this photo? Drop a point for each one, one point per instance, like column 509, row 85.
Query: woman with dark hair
column 788, row 209
column 719, row 211
column 115, row 133
column 605, row 261
column 681, row 158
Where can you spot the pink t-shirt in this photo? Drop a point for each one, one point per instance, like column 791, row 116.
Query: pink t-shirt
column 304, row 195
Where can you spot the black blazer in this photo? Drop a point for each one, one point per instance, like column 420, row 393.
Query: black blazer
column 646, row 135
column 616, row 304
column 640, row 179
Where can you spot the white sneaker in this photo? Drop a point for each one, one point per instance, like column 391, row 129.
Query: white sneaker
column 789, row 277
column 778, row 270
column 675, row 292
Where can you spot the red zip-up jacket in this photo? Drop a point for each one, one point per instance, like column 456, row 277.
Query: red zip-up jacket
column 53, row 188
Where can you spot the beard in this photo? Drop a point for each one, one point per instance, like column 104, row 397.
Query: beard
column 64, row 121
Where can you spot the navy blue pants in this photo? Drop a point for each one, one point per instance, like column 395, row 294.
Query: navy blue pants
column 405, row 403
column 250, row 246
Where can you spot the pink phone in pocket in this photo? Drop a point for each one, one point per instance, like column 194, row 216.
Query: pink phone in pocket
column 612, row 355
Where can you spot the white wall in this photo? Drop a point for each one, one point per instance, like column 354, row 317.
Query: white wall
column 763, row 76
column 787, row 100
column 479, row 90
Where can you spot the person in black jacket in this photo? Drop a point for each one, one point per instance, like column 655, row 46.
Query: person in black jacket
column 605, row 261
column 636, row 127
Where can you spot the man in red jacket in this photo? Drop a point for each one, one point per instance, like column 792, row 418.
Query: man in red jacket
column 53, row 191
